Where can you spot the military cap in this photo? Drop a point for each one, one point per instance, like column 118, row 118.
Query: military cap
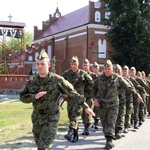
column 139, row 73
column 143, row 73
column 132, row 68
column 42, row 55
column 86, row 61
column 125, row 67
column 74, row 59
column 108, row 63
column 95, row 64
column 118, row 68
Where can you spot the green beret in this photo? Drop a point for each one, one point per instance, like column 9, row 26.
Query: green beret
column 125, row 67
column 86, row 61
column 132, row 69
column 74, row 59
column 118, row 68
column 42, row 55
column 95, row 64
column 108, row 63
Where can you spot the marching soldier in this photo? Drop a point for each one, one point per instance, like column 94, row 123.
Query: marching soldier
column 106, row 88
column 87, row 119
column 43, row 90
column 79, row 79
column 95, row 69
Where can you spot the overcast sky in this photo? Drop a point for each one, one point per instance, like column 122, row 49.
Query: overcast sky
column 33, row 12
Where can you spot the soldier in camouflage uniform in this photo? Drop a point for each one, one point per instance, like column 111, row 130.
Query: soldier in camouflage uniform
column 138, row 115
column 87, row 119
column 43, row 90
column 142, row 106
column 122, row 107
column 148, row 98
column 79, row 79
column 106, row 91
column 95, row 69
column 129, row 101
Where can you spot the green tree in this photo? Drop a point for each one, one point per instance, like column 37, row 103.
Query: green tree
column 130, row 32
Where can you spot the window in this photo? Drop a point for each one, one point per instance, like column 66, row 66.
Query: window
column 49, row 51
column 97, row 16
column 30, row 58
column 101, row 48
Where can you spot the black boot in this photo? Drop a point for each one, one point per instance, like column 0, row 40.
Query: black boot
column 126, row 130
column 118, row 133
column 109, row 144
column 95, row 124
column 75, row 136
column 70, row 134
column 86, row 130
column 135, row 125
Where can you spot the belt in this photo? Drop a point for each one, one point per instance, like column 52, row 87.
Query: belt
column 47, row 111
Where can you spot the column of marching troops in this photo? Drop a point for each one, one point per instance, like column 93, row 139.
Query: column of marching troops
column 116, row 114
column 119, row 97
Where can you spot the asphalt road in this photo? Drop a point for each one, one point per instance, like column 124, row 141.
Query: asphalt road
column 134, row 140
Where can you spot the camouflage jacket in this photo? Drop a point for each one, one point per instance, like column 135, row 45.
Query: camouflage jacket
column 54, row 85
column 79, row 80
column 102, row 82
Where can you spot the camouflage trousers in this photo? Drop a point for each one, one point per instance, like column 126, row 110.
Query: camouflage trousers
column 74, row 113
column 121, row 115
column 129, row 111
column 86, row 117
column 44, row 130
column 108, row 117
column 142, row 107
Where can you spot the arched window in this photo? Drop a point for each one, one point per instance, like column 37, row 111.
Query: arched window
column 36, row 55
column 97, row 16
column 49, row 51
column 30, row 58
column 101, row 48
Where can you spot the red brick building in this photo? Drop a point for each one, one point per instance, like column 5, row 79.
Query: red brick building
column 81, row 33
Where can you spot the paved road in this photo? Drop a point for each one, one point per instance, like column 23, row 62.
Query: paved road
column 134, row 140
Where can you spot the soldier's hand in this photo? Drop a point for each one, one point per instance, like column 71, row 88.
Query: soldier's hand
column 90, row 111
column 40, row 94
column 96, row 103
column 140, row 99
column 146, row 94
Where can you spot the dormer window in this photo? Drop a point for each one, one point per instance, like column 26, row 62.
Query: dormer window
column 97, row 16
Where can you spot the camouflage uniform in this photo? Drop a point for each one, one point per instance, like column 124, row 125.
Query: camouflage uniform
column 87, row 119
column 96, row 109
column 79, row 80
column 139, row 107
column 109, row 104
column 122, row 107
column 45, row 115
column 142, row 105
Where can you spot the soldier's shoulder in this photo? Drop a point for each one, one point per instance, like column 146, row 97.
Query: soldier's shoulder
column 32, row 77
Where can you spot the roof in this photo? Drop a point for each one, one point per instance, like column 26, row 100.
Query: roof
column 72, row 20
column 12, row 24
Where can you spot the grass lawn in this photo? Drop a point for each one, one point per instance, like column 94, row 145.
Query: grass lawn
column 15, row 120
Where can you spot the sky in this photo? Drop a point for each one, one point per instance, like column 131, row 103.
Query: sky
column 33, row 12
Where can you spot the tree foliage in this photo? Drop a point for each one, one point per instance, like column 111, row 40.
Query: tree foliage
column 130, row 32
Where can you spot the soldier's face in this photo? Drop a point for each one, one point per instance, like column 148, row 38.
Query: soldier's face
column 132, row 73
column 125, row 73
column 42, row 67
column 95, row 69
column 86, row 67
column 74, row 66
column 108, row 71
